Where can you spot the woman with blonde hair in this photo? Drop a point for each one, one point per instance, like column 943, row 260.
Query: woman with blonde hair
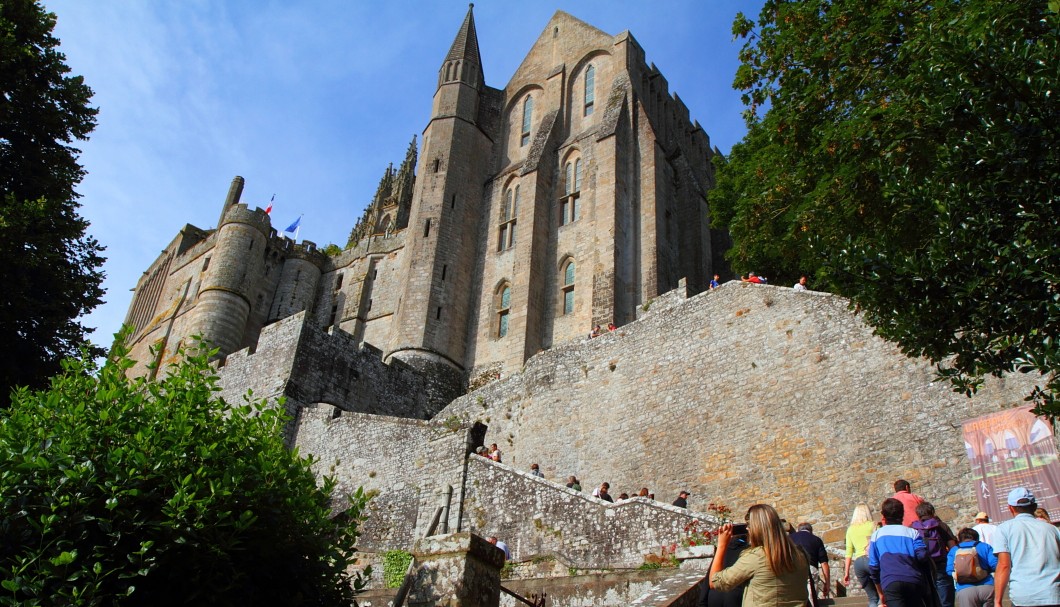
column 776, row 568
column 861, row 527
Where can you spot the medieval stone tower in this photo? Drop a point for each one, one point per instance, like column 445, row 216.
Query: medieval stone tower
column 531, row 213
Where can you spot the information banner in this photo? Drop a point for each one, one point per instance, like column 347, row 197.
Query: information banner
column 1009, row 449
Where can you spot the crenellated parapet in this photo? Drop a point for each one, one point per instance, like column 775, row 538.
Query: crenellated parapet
column 255, row 218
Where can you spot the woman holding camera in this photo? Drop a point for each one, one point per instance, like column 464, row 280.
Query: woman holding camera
column 776, row 568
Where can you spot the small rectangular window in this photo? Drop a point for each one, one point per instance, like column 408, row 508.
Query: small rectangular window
column 334, row 314
column 338, row 282
column 576, row 211
column 525, row 140
column 427, row 228
column 443, row 271
column 438, row 314
column 369, row 307
column 568, row 301
column 374, row 274
column 452, row 203
column 503, row 237
column 206, row 264
column 563, row 212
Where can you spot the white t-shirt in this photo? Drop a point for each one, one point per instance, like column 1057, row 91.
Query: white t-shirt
column 986, row 532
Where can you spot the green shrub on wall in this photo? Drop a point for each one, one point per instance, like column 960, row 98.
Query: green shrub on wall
column 395, row 564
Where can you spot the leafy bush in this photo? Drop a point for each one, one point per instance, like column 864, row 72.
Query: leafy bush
column 395, row 564
column 123, row 491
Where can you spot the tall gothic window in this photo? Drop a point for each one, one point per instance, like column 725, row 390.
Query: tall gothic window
column 590, row 89
column 509, row 212
column 528, row 117
column 504, row 304
column 568, row 287
column 570, row 205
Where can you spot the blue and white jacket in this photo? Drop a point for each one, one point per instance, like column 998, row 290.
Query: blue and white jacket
column 897, row 554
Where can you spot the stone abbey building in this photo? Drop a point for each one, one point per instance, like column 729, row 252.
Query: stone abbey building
column 457, row 315
column 530, row 214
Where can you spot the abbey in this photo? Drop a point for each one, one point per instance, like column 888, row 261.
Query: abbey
column 530, row 214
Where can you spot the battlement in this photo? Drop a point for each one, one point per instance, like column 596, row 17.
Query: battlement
column 257, row 218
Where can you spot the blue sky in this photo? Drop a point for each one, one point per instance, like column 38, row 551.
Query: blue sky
column 310, row 100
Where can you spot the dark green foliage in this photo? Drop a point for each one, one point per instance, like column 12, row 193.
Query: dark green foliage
column 48, row 265
column 909, row 158
column 118, row 491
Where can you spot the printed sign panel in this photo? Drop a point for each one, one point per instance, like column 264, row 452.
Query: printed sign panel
column 1009, row 449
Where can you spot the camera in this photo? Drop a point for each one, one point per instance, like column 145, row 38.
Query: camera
column 739, row 529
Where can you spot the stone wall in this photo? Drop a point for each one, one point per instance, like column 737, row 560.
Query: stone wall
column 538, row 518
column 406, row 463
column 297, row 360
column 744, row 394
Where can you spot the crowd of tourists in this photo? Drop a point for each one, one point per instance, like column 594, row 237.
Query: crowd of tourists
column 906, row 558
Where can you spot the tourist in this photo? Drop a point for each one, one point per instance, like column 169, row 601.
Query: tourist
column 938, row 539
column 643, row 492
column 751, row 277
column 504, row 547
column 801, row 285
column 602, row 492
column 898, row 559
column 713, row 283
column 535, row 470
column 818, row 557
column 975, row 585
column 774, row 567
column 494, row 453
column 910, row 500
column 682, row 500
column 572, row 483
column 725, row 598
column 611, row 327
column 861, row 527
column 1028, row 555
column 623, row 496
column 984, row 528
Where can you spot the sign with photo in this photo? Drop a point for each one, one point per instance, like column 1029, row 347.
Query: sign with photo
column 1009, row 449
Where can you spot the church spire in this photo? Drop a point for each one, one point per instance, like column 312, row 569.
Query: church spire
column 463, row 63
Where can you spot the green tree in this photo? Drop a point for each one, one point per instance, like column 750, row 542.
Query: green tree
column 49, row 267
column 119, row 491
column 908, row 155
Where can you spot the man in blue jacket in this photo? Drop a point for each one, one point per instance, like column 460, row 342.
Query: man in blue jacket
column 897, row 561
column 974, row 593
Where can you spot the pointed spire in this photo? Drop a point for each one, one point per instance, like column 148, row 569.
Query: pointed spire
column 406, row 177
column 465, row 52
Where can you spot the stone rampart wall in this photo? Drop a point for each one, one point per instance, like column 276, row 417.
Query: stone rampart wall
column 296, row 359
column 539, row 518
column 744, row 394
column 407, row 463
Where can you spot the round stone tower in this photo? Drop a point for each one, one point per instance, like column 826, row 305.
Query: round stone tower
column 237, row 263
column 298, row 282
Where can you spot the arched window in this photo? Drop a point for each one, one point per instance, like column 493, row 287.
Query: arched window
column 504, row 304
column 528, row 117
column 568, row 288
column 590, row 89
column 570, row 206
column 509, row 213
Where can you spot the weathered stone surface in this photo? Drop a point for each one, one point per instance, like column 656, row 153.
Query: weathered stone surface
column 742, row 394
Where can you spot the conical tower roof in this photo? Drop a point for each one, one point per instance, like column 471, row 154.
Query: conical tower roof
column 465, row 46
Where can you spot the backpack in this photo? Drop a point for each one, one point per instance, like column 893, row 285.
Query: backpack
column 966, row 569
column 934, row 538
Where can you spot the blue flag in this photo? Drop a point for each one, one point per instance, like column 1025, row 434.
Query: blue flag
column 294, row 226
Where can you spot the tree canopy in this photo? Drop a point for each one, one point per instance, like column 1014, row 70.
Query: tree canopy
column 907, row 155
column 119, row 491
column 49, row 266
